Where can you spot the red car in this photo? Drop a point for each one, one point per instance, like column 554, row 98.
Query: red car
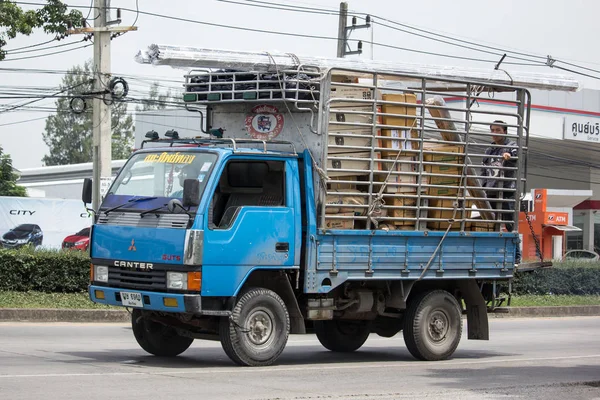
column 78, row 241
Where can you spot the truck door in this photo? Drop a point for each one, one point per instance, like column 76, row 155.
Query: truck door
column 251, row 223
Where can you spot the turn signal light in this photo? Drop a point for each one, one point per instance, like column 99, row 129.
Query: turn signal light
column 170, row 302
column 194, row 281
column 91, row 272
column 99, row 294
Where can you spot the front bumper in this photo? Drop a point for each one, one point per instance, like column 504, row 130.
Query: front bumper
column 155, row 301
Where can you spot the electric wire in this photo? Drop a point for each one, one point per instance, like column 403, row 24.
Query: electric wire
column 8, row 53
column 47, row 54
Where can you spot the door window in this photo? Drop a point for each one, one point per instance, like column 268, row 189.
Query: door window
column 246, row 183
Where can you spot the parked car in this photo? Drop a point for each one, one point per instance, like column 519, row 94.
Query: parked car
column 22, row 235
column 581, row 255
column 77, row 241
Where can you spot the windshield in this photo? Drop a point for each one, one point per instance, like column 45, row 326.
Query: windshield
column 24, row 228
column 83, row 232
column 161, row 174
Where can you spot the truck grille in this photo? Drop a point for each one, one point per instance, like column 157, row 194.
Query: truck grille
column 132, row 279
column 177, row 221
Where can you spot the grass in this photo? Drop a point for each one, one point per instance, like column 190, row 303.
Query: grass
column 10, row 299
column 554, row 300
column 81, row 301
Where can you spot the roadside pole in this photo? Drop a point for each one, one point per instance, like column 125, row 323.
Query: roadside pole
column 101, row 112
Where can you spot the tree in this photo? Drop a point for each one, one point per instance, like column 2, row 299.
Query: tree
column 155, row 100
column 53, row 18
column 8, row 178
column 69, row 134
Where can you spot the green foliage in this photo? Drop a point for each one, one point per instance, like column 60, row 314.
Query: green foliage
column 562, row 280
column 48, row 271
column 52, row 18
column 69, row 135
column 81, row 300
column 550, row 300
column 155, row 100
column 8, row 178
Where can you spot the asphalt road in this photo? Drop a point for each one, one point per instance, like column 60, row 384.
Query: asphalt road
column 554, row 358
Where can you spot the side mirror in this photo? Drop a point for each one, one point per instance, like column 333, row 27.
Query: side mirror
column 86, row 192
column 191, row 193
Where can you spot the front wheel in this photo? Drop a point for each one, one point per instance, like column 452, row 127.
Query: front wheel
column 156, row 338
column 342, row 336
column 433, row 325
column 257, row 331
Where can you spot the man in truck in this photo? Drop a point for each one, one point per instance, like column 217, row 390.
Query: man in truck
column 503, row 153
column 187, row 172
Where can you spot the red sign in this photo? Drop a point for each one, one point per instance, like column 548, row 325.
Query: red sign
column 265, row 122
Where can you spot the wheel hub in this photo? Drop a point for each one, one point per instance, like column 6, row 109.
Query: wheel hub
column 260, row 327
column 438, row 326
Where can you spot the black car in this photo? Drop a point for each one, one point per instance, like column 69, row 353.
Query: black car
column 22, row 235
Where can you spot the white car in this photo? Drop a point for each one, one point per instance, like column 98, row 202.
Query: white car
column 581, row 255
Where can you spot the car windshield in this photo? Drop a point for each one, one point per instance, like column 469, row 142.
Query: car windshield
column 83, row 232
column 161, row 174
column 24, row 228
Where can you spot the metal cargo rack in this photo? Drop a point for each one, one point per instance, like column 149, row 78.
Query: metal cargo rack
column 299, row 86
column 262, row 146
column 408, row 155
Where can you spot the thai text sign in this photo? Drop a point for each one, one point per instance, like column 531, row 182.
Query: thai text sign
column 586, row 129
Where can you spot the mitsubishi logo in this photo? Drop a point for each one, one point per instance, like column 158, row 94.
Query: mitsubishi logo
column 132, row 247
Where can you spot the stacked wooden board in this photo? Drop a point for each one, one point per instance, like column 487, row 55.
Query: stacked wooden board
column 388, row 157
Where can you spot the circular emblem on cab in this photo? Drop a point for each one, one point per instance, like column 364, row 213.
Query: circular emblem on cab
column 265, row 122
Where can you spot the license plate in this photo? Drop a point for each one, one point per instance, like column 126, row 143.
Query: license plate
column 132, row 299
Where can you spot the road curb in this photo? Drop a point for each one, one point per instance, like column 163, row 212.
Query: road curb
column 77, row 315
column 62, row 315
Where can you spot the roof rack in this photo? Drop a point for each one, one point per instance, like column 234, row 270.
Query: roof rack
column 233, row 143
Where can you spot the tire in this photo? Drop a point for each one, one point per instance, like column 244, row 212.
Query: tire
column 342, row 336
column 433, row 325
column 258, row 329
column 156, row 338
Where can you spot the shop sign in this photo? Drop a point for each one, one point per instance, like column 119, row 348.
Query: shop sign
column 556, row 218
column 585, row 129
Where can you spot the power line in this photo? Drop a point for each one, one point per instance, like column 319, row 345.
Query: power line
column 45, row 48
column 44, row 97
column 30, row 46
column 47, row 54
column 376, row 21
column 23, row 121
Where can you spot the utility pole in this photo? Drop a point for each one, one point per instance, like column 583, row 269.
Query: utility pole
column 101, row 113
column 344, row 32
column 342, row 29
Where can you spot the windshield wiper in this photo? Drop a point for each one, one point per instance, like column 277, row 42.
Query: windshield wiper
column 130, row 201
column 172, row 205
column 151, row 211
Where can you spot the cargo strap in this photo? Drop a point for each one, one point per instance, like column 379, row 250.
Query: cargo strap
column 450, row 222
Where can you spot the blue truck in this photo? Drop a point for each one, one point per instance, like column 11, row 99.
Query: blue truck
column 362, row 213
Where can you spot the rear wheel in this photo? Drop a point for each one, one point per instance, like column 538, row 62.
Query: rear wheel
column 257, row 331
column 433, row 325
column 342, row 336
column 156, row 338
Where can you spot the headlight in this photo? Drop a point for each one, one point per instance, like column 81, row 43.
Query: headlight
column 101, row 273
column 79, row 243
column 176, row 280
